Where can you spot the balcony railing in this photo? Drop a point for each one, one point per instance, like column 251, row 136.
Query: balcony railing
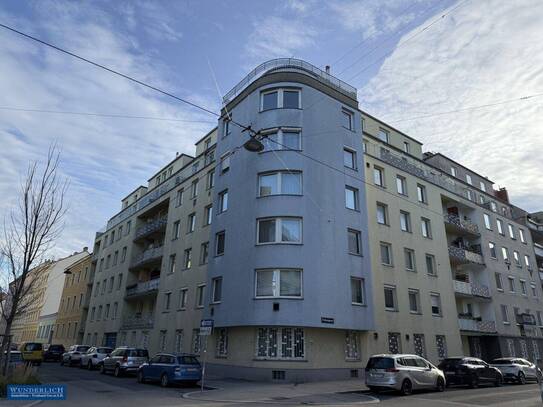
column 143, row 288
column 151, row 227
column 474, row 325
column 541, row 274
column 538, row 250
column 462, row 224
column 465, row 256
column 139, row 320
column 471, row 289
column 532, row 224
column 147, row 256
column 525, row 319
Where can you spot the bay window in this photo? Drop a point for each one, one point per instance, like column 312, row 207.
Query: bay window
column 276, row 283
column 279, row 230
column 280, row 183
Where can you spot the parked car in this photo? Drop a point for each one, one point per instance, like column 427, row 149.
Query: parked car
column 470, row 371
column 404, row 373
column 32, row 352
column 53, row 353
column 170, row 368
column 94, row 356
column 124, row 360
column 74, row 354
column 517, row 369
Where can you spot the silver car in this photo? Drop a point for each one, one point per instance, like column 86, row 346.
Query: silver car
column 73, row 356
column 124, row 360
column 94, row 356
column 404, row 373
column 517, row 369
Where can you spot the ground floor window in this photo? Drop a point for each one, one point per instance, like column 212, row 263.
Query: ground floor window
column 162, row 340
column 523, row 349
column 394, row 342
column 178, row 341
column 441, row 344
column 222, row 342
column 196, row 342
column 280, row 343
column 537, row 356
column 510, row 347
column 420, row 345
column 352, row 346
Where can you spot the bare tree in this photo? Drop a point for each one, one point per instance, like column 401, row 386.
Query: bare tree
column 30, row 230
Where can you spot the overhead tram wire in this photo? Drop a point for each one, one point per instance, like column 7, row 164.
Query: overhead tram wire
column 130, row 78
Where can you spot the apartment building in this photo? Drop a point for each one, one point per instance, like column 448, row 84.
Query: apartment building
column 149, row 264
column 74, row 304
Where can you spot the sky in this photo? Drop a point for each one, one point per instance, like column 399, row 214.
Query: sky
column 420, row 65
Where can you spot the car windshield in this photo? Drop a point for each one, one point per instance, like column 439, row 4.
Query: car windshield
column 31, row 347
column 380, row 363
column 188, row 360
column 139, row 353
column 502, row 362
column 56, row 348
column 104, row 350
column 82, row 348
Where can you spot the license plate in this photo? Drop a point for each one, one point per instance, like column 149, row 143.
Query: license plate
column 192, row 370
column 449, row 372
column 377, row 374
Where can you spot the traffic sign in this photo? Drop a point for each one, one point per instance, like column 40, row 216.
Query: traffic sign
column 206, row 327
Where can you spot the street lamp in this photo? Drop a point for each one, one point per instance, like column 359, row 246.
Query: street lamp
column 253, row 145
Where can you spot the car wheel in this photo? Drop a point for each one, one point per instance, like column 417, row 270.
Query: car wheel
column 164, row 381
column 70, row 362
column 521, row 378
column 102, row 369
column 117, row 371
column 141, row 378
column 407, row 387
column 440, row 384
column 499, row 381
column 89, row 365
column 474, row 382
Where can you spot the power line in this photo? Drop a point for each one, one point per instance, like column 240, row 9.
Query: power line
column 116, row 116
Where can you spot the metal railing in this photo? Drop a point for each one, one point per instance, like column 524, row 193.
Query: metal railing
column 525, row 319
column 469, row 324
column 285, row 63
column 139, row 320
column 151, row 227
column 143, row 287
column 465, row 256
column 147, row 255
column 462, row 223
column 538, row 250
column 478, row 290
column 532, row 224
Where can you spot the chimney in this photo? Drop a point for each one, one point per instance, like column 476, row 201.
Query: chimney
column 502, row 194
column 327, row 69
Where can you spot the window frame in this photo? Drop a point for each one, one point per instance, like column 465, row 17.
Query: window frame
column 362, row 286
column 358, row 237
column 356, row 198
column 392, row 288
column 276, row 283
column 280, row 97
column 353, row 158
column 279, row 182
column 214, row 282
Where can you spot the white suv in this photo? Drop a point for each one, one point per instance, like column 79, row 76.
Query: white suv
column 73, row 356
column 517, row 369
column 404, row 373
column 94, row 356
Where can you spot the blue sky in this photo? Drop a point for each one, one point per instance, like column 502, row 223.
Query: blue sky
column 485, row 51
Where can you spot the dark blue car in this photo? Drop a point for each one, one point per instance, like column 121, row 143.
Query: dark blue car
column 168, row 368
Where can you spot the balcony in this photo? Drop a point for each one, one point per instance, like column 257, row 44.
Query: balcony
column 471, row 289
column 538, row 250
column 139, row 320
column 541, row 273
column 455, row 224
column 525, row 319
column 143, row 288
column 474, row 325
column 459, row 255
column 151, row 227
column 148, row 256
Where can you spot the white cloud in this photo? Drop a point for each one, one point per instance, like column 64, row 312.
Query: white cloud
column 486, row 51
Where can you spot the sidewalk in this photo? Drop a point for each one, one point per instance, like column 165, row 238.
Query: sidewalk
column 315, row 393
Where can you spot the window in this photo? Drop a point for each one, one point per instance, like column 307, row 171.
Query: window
column 178, row 342
column 409, row 256
column 208, row 215
column 382, row 214
column 390, row 298
column 204, row 253
column 487, row 221
column 349, row 158
column 200, row 295
column 216, row 294
column 453, row 171
column 425, row 228
column 401, row 185
column 210, row 179
column 280, row 183
column 505, row 254
column 468, row 179
column 179, row 197
column 499, row 223
column 226, row 126
column 534, row 290
column 499, row 283
column 280, row 343
column 354, row 241
column 406, row 147
column 273, row 283
column 386, row 253
column 222, row 342
column 187, row 263
column 223, row 201
column 123, row 254
column 511, row 231
column 511, row 284
column 220, row 242
column 183, row 296
column 282, row 139
column 194, row 189
column 527, row 262
column 357, row 291
column 279, row 230
column 492, row 247
column 435, row 300
column 225, row 163
column 175, row 230
column 493, row 206
column 351, row 345
column 469, row 194
column 347, row 119
column 171, row 267
column 414, row 301
column 191, row 223
column 394, row 342
column 421, row 193
column 523, row 287
column 441, row 344
column 351, row 198
column 482, row 186
column 162, row 340
column 522, row 236
column 431, row 264
column 128, row 226
column 379, row 176
column 405, row 221
column 516, row 257
column 383, row 135
column 115, row 308
column 167, row 298
column 280, row 98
